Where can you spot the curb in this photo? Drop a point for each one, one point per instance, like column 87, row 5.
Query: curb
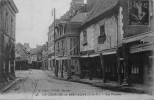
column 8, row 85
column 112, row 88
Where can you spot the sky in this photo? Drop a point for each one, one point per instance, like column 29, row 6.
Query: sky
column 34, row 19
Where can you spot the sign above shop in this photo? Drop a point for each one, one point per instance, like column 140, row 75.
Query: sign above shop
column 147, row 39
column 142, row 49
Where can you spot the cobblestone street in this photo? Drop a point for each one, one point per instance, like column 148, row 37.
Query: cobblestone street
column 36, row 83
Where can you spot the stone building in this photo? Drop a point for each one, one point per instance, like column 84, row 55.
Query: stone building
column 116, row 41
column 99, row 37
column 8, row 12
column 138, row 41
column 66, row 39
column 45, row 62
column 36, row 56
column 22, row 57
column 51, row 53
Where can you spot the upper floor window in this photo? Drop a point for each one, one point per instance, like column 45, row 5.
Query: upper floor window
column 84, row 37
column 102, row 37
column 12, row 26
column 139, row 12
column 6, row 22
column 58, row 47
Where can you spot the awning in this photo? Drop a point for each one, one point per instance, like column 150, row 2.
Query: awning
column 141, row 48
column 84, row 56
column 138, row 37
column 96, row 55
column 109, row 53
column 62, row 58
column 92, row 55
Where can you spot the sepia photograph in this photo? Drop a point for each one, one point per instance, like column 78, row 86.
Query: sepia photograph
column 77, row 49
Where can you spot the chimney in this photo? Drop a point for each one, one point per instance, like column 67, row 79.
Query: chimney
column 76, row 4
column 47, row 45
column 26, row 45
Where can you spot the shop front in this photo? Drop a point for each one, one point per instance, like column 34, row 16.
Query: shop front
column 141, row 64
column 90, row 66
column 140, row 69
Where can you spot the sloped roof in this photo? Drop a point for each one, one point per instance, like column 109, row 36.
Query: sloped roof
column 33, row 51
column 100, row 7
column 72, row 27
column 22, row 47
column 38, row 50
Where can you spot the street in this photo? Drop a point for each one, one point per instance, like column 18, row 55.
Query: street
column 35, row 83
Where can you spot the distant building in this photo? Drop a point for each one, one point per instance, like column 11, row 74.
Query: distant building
column 23, row 57
column 36, row 56
column 8, row 12
column 26, row 45
column 51, row 53
column 45, row 62
column 66, row 39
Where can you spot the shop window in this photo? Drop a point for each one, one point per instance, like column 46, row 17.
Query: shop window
column 139, row 12
column 102, row 37
column 84, row 37
column 135, row 69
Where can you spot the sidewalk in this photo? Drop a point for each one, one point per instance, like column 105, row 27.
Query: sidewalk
column 99, row 83
column 7, row 85
column 19, row 76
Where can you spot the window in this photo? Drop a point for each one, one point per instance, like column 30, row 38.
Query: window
column 6, row 22
column 139, row 12
column 102, row 37
column 63, row 49
column 58, row 49
column 11, row 26
column 84, row 37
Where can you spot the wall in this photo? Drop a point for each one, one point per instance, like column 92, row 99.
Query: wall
column 94, row 31
column 23, row 54
column 90, row 39
column 111, row 34
column 134, row 29
column 59, row 51
column 7, row 36
column 1, row 63
column 50, row 37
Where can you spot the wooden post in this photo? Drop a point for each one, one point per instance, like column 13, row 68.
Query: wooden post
column 62, row 70
column 118, row 66
column 81, row 68
column 90, row 71
column 103, row 67
column 68, row 69
column 125, row 65
column 56, row 68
